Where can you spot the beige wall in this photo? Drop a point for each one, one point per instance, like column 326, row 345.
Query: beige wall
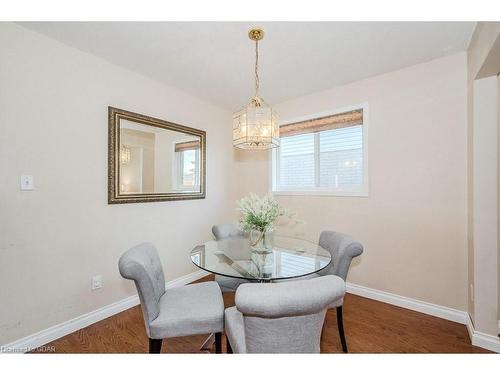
column 138, row 175
column 164, row 153
column 413, row 223
column 485, row 208
column 53, row 124
column 482, row 54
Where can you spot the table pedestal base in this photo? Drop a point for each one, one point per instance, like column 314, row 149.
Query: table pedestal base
column 208, row 343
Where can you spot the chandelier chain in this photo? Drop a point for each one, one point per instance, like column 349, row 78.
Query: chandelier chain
column 257, row 82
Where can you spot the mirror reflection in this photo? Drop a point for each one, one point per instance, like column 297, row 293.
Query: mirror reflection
column 157, row 160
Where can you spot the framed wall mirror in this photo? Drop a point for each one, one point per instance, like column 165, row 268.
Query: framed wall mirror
column 153, row 160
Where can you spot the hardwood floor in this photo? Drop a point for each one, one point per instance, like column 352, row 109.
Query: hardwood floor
column 371, row 327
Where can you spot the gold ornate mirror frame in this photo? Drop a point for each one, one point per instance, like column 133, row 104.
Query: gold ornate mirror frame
column 115, row 115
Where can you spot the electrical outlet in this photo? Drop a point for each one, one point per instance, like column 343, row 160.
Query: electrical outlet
column 96, row 282
column 27, row 182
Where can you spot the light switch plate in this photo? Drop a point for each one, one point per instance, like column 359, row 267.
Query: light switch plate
column 27, row 182
column 96, row 282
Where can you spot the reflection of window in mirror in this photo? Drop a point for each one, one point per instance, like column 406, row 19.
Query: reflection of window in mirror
column 187, row 161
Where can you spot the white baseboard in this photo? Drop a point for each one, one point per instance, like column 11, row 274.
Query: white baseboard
column 45, row 336
column 186, row 279
column 477, row 338
column 409, row 303
column 481, row 339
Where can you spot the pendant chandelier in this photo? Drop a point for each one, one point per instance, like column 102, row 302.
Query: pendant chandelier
column 255, row 127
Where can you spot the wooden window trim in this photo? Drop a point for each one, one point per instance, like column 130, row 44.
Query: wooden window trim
column 337, row 121
column 184, row 146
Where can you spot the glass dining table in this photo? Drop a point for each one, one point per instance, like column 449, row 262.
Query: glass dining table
column 284, row 258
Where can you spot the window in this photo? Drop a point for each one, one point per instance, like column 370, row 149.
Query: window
column 323, row 155
column 187, row 161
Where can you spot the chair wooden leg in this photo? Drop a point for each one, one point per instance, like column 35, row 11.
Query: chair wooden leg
column 322, row 337
column 340, row 324
column 155, row 346
column 229, row 349
column 218, row 342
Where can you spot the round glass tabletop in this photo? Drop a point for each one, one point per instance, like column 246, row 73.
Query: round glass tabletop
column 287, row 258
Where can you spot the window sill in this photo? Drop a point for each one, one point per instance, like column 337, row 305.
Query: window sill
column 322, row 193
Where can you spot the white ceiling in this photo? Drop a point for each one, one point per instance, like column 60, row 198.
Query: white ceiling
column 214, row 60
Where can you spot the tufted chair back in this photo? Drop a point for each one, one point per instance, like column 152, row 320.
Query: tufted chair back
column 343, row 249
column 142, row 265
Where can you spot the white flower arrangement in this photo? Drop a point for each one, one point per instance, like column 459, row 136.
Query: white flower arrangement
column 260, row 213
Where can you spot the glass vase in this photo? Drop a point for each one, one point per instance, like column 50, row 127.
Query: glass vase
column 260, row 241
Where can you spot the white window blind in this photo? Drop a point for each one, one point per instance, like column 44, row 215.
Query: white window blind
column 292, row 264
column 297, row 161
column 341, row 158
column 330, row 160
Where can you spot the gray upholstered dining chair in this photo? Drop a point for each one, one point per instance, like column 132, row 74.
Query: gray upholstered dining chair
column 342, row 249
column 182, row 311
column 281, row 317
column 221, row 231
